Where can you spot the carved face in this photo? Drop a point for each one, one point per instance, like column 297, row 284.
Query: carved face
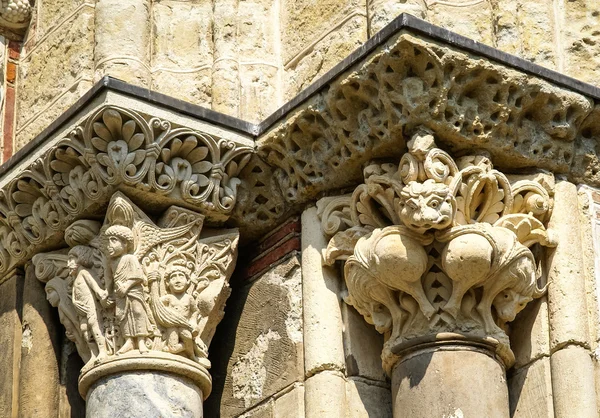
column 509, row 303
column 427, row 205
column 178, row 282
column 382, row 319
column 52, row 296
column 116, row 247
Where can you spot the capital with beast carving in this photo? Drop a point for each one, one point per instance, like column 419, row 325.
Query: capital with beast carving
column 440, row 250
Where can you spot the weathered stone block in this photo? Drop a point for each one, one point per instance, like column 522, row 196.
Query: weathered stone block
column 362, row 346
column 581, row 40
column 530, row 391
column 53, row 14
column 182, row 51
column 259, row 88
column 267, row 353
column 529, row 333
column 472, row 21
column 291, row 404
column 306, row 66
column 537, row 21
column 365, row 400
column 305, row 22
column 63, row 65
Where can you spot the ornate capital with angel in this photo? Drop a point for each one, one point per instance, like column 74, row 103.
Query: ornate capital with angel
column 131, row 286
column 436, row 246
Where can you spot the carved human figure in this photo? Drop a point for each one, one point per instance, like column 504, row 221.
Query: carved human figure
column 131, row 312
column 59, row 296
column 180, row 338
column 86, row 293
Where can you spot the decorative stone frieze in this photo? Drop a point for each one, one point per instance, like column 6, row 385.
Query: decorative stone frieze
column 138, row 295
column 439, row 250
column 115, row 148
column 365, row 112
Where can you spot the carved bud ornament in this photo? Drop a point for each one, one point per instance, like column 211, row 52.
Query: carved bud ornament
column 439, row 250
column 134, row 294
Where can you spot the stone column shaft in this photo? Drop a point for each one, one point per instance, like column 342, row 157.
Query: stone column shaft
column 122, row 36
column 450, row 381
column 573, row 387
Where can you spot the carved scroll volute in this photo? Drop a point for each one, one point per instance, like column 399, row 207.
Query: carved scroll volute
column 437, row 249
column 134, row 289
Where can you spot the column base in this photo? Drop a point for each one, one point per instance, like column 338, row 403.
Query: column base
column 452, row 380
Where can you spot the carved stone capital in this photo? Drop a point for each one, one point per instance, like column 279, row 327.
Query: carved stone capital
column 438, row 250
column 135, row 294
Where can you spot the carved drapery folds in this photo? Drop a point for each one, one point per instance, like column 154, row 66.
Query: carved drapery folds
column 115, row 148
column 438, row 249
column 134, row 294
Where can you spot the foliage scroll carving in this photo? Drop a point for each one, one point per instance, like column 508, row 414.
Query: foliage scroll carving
column 437, row 248
column 112, row 149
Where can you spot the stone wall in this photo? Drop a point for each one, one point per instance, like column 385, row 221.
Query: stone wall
column 288, row 346
column 247, row 58
column 40, row 366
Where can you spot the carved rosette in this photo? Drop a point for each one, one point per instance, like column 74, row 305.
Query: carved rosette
column 437, row 249
column 115, row 149
column 135, row 294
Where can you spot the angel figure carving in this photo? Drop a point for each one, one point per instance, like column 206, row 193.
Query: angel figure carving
column 178, row 312
column 86, row 294
column 132, row 313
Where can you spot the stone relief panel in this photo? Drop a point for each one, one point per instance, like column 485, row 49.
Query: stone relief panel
column 130, row 288
column 439, row 249
column 115, row 148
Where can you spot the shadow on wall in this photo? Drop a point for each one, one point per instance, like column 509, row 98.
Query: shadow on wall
column 224, row 339
column 522, row 332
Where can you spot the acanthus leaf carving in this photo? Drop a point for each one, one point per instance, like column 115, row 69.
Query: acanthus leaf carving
column 439, row 249
column 112, row 148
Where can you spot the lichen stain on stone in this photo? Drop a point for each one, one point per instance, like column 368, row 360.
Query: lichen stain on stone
column 27, row 338
column 249, row 373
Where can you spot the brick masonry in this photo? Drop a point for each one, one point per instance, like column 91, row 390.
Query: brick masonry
column 274, row 247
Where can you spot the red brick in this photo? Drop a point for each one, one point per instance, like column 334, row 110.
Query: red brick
column 9, row 118
column 290, row 227
column 11, row 72
column 14, row 50
column 271, row 257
